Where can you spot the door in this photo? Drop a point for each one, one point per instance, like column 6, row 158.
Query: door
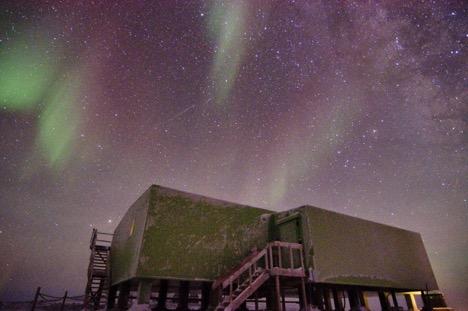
column 290, row 230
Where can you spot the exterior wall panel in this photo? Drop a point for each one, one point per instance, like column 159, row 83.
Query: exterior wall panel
column 127, row 238
column 176, row 235
column 193, row 237
column 349, row 250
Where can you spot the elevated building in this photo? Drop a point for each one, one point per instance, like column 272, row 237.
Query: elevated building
column 176, row 250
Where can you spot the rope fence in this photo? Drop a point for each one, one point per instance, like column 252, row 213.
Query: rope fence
column 44, row 300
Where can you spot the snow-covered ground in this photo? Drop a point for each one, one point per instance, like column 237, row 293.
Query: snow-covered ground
column 26, row 306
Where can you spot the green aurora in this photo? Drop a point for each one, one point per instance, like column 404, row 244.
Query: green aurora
column 30, row 83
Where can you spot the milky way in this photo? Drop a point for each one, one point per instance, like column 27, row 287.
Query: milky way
column 357, row 107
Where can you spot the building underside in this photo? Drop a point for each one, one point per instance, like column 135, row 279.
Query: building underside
column 284, row 294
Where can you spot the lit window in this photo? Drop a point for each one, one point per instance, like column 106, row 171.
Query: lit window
column 132, row 227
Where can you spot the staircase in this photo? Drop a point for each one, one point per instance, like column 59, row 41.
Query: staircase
column 276, row 259
column 97, row 286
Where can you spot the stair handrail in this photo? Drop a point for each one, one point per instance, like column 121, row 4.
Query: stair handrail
column 92, row 241
column 272, row 255
column 90, row 296
column 291, row 247
column 286, row 244
column 97, row 236
column 256, row 256
column 220, row 280
column 247, row 265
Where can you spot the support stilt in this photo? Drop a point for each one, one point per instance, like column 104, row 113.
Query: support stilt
column 394, row 298
column 215, row 298
column 354, row 300
column 411, row 302
column 124, row 292
column 363, row 299
column 283, row 298
column 183, row 296
column 270, row 298
column 243, row 307
column 162, row 296
column 326, row 298
column 111, row 299
column 317, row 294
column 144, row 292
column 383, row 301
column 305, row 301
column 205, row 296
column 337, row 300
column 278, row 294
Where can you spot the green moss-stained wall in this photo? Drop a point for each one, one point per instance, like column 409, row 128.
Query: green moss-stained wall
column 347, row 250
column 194, row 237
column 125, row 246
column 185, row 236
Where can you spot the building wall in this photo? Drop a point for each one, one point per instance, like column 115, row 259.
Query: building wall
column 127, row 238
column 177, row 235
column 193, row 237
column 347, row 250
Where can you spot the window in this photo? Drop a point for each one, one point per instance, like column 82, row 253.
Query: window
column 132, row 227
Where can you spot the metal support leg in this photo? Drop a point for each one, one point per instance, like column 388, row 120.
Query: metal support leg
column 411, row 302
column 305, row 301
column 383, row 301
column 243, row 307
column 337, row 300
column 363, row 299
column 256, row 301
column 270, row 298
column 395, row 301
column 326, row 299
column 283, row 299
column 353, row 297
column 183, row 295
column 162, row 296
column 215, row 298
column 124, row 292
column 111, row 297
column 278, row 294
column 144, row 292
column 427, row 302
column 317, row 294
column 205, row 296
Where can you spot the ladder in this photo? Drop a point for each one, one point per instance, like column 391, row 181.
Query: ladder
column 276, row 259
column 97, row 287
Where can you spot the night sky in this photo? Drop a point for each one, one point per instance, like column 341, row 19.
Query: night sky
column 359, row 107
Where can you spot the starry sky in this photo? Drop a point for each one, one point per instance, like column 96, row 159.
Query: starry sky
column 359, row 107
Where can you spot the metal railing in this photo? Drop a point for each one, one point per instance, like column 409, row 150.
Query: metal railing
column 286, row 259
column 99, row 238
column 98, row 269
column 42, row 300
column 276, row 259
